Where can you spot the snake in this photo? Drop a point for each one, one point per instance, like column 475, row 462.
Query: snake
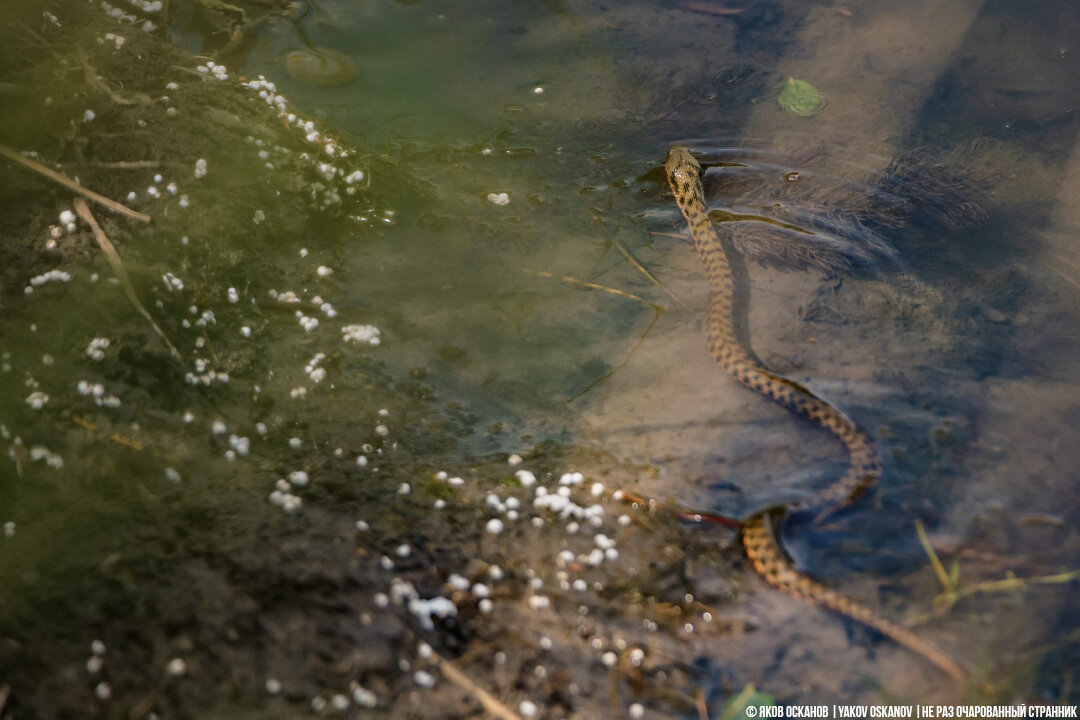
column 758, row 533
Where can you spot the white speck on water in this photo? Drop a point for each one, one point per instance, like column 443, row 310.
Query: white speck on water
column 176, row 667
column 96, row 349
column 218, row 427
column 364, row 697
column 89, row 115
column 200, row 168
column 295, row 443
column 571, row 479
column 234, row 296
column 324, row 271
column 9, row 529
column 361, row 334
column 538, row 90
column 404, row 489
column 499, row 198
column 382, row 430
column 260, row 428
column 245, row 331
column 171, row 475
column 37, row 400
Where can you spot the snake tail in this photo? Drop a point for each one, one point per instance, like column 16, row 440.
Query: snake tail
column 769, row 561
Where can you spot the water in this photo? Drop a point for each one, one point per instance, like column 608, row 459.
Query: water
column 565, row 326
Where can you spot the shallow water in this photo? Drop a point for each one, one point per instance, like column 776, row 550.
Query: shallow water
column 568, row 317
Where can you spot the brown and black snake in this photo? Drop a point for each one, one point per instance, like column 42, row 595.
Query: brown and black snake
column 684, row 174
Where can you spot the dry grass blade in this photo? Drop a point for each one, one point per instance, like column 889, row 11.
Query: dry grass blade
column 121, row 274
column 939, row 569
column 491, row 704
column 72, row 185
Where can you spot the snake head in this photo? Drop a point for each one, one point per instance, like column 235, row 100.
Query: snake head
column 683, row 171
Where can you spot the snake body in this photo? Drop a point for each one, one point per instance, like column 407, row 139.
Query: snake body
column 864, row 463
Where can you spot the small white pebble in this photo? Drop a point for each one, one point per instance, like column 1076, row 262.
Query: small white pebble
column 424, row 679
column 636, row 711
column 494, row 526
column 176, row 667
column 499, row 198
column 404, row 489
column 527, row 708
column 295, row 443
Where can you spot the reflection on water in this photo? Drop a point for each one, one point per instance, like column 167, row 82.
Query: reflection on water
column 496, row 267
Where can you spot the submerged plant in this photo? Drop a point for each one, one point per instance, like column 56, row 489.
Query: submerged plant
column 801, row 98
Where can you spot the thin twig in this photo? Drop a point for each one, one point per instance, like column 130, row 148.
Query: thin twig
column 491, row 704
column 71, row 184
column 699, row 701
column 121, row 274
column 120, row 165
column 635, row 263
column 656, row 316
column 592, row 285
